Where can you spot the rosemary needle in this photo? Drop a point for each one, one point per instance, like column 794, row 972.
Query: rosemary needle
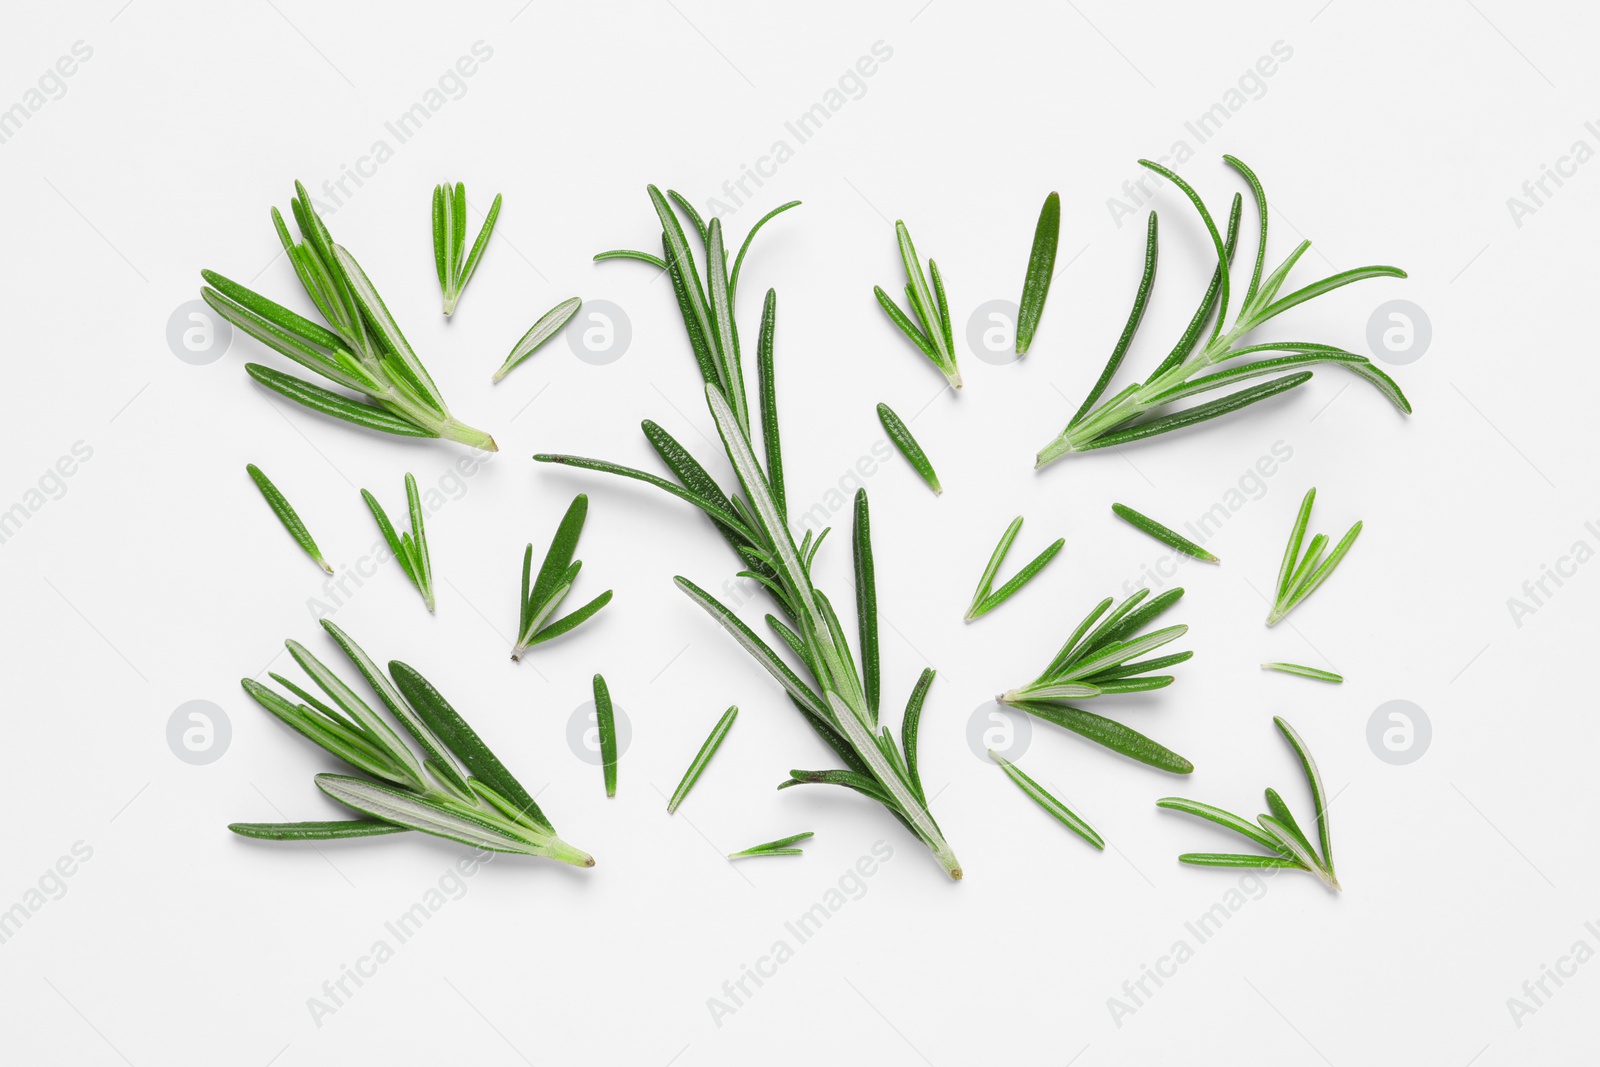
column 985, row 601
column 702, row 758
column 455, row 265
column 1041, row 797
column 287, row 515
column 779, row 847
column 900, row 434
column 411, row 548
column 556, row 576
column 1041, row 269
column 548, row 326
column 1304, row 672
column 1301, row 573
column 931, row 331
column 606, row 722
column 1165, row 534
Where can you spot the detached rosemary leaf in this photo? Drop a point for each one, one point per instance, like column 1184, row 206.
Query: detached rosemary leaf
column 332, row 830
column 287, row 515
column 1041, row 269
column 1304, row 672
column 900, row 434
column 984, row 599
column 549, row 324
column 702, row 758
column 454, row 264
column 780, row 847
column 1165, row 534
column 606, row 723
column 1040, row 796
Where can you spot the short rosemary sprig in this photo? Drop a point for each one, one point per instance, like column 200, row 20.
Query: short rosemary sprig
column 986, row 598
column 410, row 548
column 287, row 515
column 454, row 264
column 931, row 332
column 1301, row 574
column 556, row 575
column 702, row 758
column 840, row 701
column 1041, row 270
column 458, row 790
column 1123, row 418
column 361, row 349
column 1165, row 534
column 1304, row 672
column 605, row 721
column 900, row 434
column 1040, row 796
column 780, row 847
column 1099, row 659
column 1277, row 832
column 548, row 326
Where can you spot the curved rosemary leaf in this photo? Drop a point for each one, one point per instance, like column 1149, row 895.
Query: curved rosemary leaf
column 1243, row 827
column 330, row 403
column 549, row 324
column 287, row 515
column 1260, row 196
column 1319, row 798
column 1304, row 672
column 738, row 261
column 802, row 693
column 725, row 518
column 1165, row 534
column 900, row 434
column 624, row 253
column 861, row 783
column 1041, row 269
column 1141, row 300
column 332, row 830
column 1281, row 813
column 697, row 766
column 1040, row 796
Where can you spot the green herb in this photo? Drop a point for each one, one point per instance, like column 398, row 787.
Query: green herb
column 458, row 789
column 1099, row 659
column 1304, row 672
column 605, row 721
column 548, row 326
column 556, row 575
column 287, row 515
column 1041, row 269
column 1278, row 832
column 931, row 332
column 361, row 349
column 1301, row 573
column 773, row 848
column 838, row 702
column 985, row 601
column 411, row 549
column 1165, row 534
column 455, row 265
column 1122, row 418
column 1041, row 797
column 702, row 758
column 900, row 434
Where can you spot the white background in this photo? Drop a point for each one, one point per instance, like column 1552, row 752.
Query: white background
column 155, row 575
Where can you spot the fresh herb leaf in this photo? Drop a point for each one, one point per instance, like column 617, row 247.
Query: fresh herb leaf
column 900, row 434
column 1301, row 574
column 702, row 758
column 454, row 263
column 985, row 598
column 606, row 723
column 1304, row 672
column 287, row 515
column 1165, row 534
column 549, row 324
column 410, row 549
column 931, row 332
column 557, row 574
column 1041, row 269
column 1040, row 796
column 780, row 847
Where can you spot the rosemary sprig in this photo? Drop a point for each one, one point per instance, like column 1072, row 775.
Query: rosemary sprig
column 458, row 790
column 931, row 332
column 1041, row 269
column 361, row 349
column 838, row 702
column 548, row 326
column 1040, row 796
column 605, row 721
column 287, row 515
column 410, row 548
column 698, row 766
column 900, row 434
column 556, row 576
column 985, row 598
column 1165, row 534
column 1301, row 574
column 780, row 847
column 1099, row 659
column 1277, row 832
column 454, row 264
column 1123, row 418
column 1304, row 672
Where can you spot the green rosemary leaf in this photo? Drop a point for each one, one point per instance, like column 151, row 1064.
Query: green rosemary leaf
column 549, row 324
column 1040, row 796
column 1319, row 799
column 301, row 349
column 900, row 434
column 1228, row 859
column 727, row 335
column 1108, row 732
column 287, row 515
column 1302, row 355
column 767, row 384
column 1238, row 825
column 471, row 265
column 1326, row 285
column 997, row 557
column 375, row 731
column 268, row 312
column 779, row 847
column 1192, row 416
column 1197, row 322
column 377, row 313
column 907, row 327
column 738, row 261
column 332, row 830
column 606, row 723
column 1292, row 842
column 910, row 723
column 411, row 549
column 1165, row 534
column 1141, row 300
column 861, row 783
column 1285, row 818
column 933, row 337
column 1291, row 554
column 757, row 648
column 723, row 517
column 1260, row 198
column 1041, row 269
column 1300, row 575
column 570, row 621
column 698, row 766
column 866, row 602
column 419, row 538
column 1304, row 672
column 328, row 402
column 332, row 736
column 984, row 601
column 623, row 253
